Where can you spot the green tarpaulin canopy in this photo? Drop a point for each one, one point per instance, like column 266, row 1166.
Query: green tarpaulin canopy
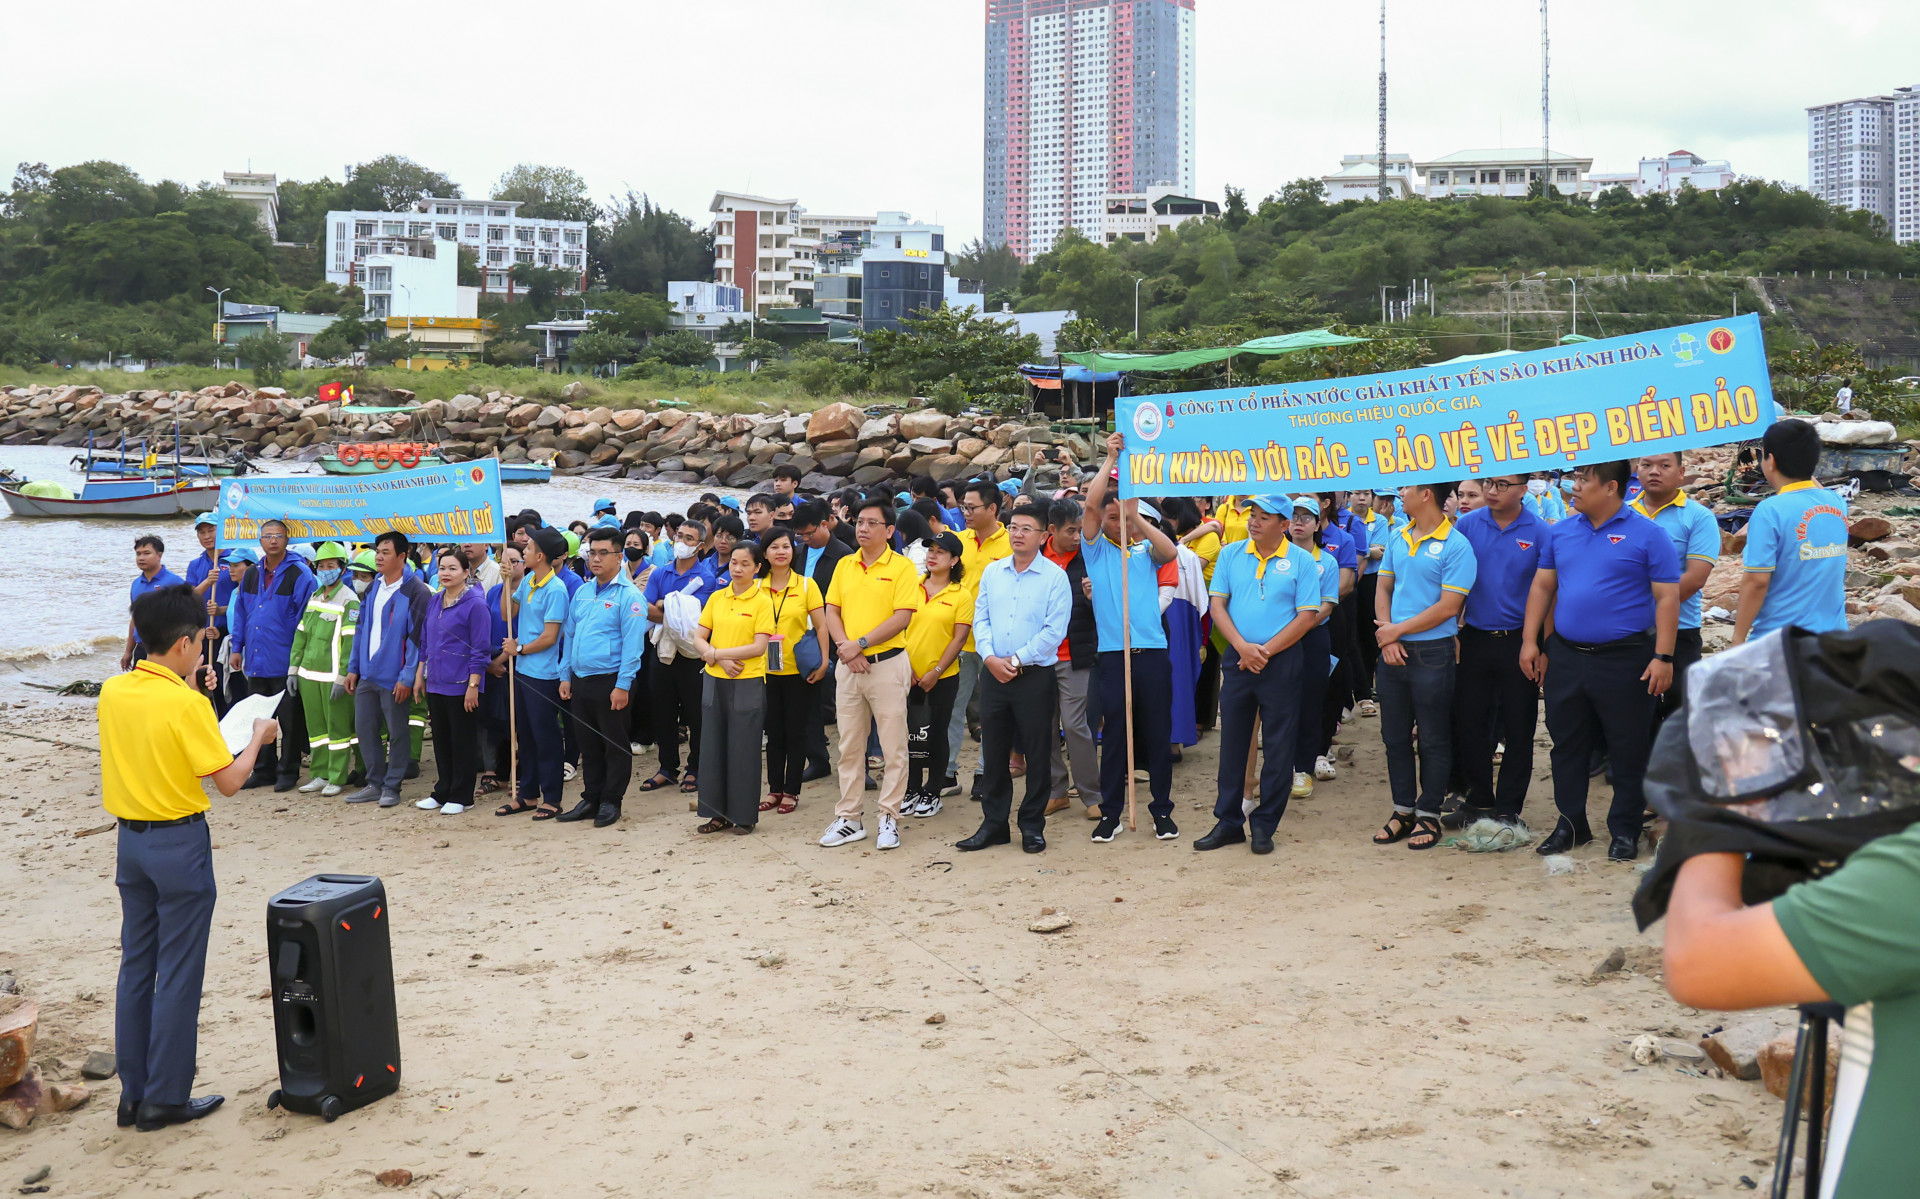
column 1312, row 339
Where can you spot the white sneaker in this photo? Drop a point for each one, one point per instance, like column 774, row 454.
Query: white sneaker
column 844, row 832
column 1323, row 769
column 889, row 837
column 429, row 804
column 312, row 785
column 330, row 790
column 1302, row 785
column 569, row 771
column 1367, row 707
column 452, row 809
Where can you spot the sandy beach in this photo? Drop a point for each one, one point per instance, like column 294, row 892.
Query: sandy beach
column 641, row 1011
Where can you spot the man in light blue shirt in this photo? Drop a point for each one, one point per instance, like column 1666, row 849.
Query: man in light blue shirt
column 1696, row 536
column 1796, row 555
column 605, row 633
column 540, row 607
column 1152, row 716
column 1265, row 596
column 1019, row 619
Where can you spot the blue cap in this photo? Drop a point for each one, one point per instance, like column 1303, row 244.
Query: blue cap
column 728, row 501
column 206, row 518
column 607, row 521
column 603, row 504
column 905, row 498
column 1274, row 505
column 1010, row 486
column 239, row 553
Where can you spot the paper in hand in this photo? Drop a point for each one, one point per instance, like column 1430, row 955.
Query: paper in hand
column 236, row 727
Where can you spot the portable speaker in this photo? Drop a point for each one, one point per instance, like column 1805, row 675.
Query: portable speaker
column 334, row 1024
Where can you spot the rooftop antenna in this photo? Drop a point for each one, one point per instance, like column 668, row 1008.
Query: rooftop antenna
column 1383, row 97
column 1546, row 111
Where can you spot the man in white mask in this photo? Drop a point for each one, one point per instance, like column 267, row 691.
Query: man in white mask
column 675, row 685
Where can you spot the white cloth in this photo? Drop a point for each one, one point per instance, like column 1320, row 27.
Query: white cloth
column 1843, row 399
column 381, row 595
column 679, row 623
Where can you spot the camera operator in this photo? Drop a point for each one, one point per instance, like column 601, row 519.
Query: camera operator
column 1852, row 937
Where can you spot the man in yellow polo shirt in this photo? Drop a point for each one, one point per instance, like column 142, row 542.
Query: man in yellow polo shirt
column 158, row 739
column 982, row 543
column 872, row 598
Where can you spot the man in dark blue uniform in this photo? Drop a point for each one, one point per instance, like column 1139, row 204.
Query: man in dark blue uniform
column 1506, row 540
column 1609, row 581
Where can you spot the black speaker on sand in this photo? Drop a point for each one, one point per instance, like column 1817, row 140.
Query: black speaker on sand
column 335, row 1029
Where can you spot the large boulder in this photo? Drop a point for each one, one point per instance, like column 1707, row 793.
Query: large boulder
column 522, row 415
column 922, row 424
column 794, row 428
column 930, row 445
column 837, row 464
column 970, row 447
column 945, row 467
column 828, row 449
column 867, row 476
column 820, row 484
column 835, row 422
column 19, row 1025
column 880, row 428
column 634, row 420
column 465, row 406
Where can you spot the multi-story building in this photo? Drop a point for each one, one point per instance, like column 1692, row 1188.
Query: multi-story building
column 902, row 270
column 1666, row 175
column 1359, row 178
column 1503, row 173
column 758, row 247
column 1084, row 98
column 415, row 286
column 491, row 228
column 261, row 191
column 1865, row 154
column 703, row 308
column 1144, row 216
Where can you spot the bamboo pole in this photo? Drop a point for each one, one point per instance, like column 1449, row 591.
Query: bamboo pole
column 1126, row 638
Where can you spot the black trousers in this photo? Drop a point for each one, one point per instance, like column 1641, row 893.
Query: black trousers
column 1016, row 716
column 928, row 713
column 1493, row 700
column 1369, row 657
column 1206, row 690
column 606, row 739
column 676, row 698
column 1600, row 691
column 1686, row 652
column 1271, row 697
column 1152, row 728
column 282, row 761
column 456, row 746
column 817, row 724
column 1317, row 651
column 793, row 706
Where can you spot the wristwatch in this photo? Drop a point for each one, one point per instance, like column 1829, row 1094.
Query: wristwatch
column 1667, row 658
column 862, row 643
column 1013, row 660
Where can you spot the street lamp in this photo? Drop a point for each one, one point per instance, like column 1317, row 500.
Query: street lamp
column 219, row 312
column 1138, row 280
column 1508, row 287
column 409, row 291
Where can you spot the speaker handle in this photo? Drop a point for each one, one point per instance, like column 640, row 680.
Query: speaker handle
column 288, row 966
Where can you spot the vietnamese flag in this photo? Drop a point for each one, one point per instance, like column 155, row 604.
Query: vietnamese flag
column 329, row 393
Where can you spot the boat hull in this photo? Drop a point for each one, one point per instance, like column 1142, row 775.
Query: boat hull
column 184, row 501
column 333, row 466
column 525, row 472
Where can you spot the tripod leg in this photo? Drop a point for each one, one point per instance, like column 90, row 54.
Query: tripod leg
column 1816, row 1100
column 1790, row 1121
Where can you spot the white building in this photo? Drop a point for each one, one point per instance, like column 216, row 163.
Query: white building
column 703, row 308
column 491, row 228
column 1666, row 175
column 1865, row 154
column 1359, row 178
column 259, row 190
column 1145, row 216
column 417, row 287
column 1502, row 173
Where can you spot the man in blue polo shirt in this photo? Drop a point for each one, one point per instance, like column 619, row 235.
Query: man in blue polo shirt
column 1696, row 538
column 1147, row 550
column 1366, row 507
column 1796, row 555
column 1610, row 579
column 675, row 685
column 149, row 553
column 606, row 631
column 1424, row 580
column 1506, row 538
column 1266, row 595
column 540, row 608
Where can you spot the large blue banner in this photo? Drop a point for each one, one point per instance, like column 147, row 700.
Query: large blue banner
column 1554, row 409
column 459, row 503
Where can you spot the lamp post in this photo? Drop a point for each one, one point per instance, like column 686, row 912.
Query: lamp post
column 1138, row 280
column 1508, row 287
column 219, row 323
column 409, row 291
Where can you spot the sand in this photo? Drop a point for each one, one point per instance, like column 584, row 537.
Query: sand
column 641, row 1011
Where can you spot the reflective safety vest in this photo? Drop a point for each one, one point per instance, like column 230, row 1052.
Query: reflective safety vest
column 323, row 644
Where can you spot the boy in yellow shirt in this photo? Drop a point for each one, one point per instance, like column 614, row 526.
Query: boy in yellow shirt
column 158, row 739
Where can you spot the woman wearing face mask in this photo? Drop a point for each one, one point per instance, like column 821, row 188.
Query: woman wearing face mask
column 495, row 724
column 322, row 651
column 1542, row 502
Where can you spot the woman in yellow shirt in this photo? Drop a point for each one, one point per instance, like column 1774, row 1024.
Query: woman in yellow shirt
column 735, row 627
column 934, row 639
column 791, row 696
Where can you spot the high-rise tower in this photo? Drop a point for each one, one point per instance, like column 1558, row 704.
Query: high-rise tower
column 1083, row 98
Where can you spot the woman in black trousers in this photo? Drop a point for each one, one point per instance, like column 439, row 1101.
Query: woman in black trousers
column 934, row 638
column 735, row 628
column 791, row 696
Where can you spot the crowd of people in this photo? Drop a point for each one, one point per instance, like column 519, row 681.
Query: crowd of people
column 1037, row 624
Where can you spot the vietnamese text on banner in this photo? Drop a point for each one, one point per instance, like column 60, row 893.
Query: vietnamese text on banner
column 457, row 503
column 1554, row 409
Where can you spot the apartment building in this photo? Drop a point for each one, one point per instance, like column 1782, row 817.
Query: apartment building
column 1865, row 154
column 1144, row 216
column 1667, row 174
column 493, row 229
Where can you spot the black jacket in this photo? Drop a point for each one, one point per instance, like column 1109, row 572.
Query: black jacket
column 1083, row 633
column 822, row 574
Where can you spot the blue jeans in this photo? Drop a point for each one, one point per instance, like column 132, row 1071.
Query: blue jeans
column 165, row 876
column 374, row 706
column 1418, row 693
column 1276, row 696
column 957, row 723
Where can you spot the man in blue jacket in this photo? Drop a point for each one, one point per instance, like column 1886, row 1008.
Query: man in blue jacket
column 386, row 655
column 262, row 617
column 605, row 634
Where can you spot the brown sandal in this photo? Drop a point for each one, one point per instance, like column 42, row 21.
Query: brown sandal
column 771, row 802
column 787, row 804
column 719, row 824
column 1397, row 828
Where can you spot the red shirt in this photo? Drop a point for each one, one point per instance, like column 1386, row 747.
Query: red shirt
column 1060, row 560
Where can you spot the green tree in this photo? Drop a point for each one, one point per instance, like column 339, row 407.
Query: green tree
column 983, row 354
column 390, row 350
column 266, row 353
column 548, row 193
column 760, row 350
column 997, row 267
column 679, row 348
column 468, row 271
column 628, row 315
column 542, row 287
column 393, row 183
column 512, row 351
column 1235, row 214
column 596, row 347
column 640, row 248
column 341, row 339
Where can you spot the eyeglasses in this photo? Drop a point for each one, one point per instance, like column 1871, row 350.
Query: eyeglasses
column 601, row 553
column 869, row 523
column 1493, row 485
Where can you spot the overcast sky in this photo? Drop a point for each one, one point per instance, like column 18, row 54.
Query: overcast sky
column 862, row 105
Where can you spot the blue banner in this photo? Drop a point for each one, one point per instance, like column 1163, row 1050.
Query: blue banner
column 457, row 503
column 1554, row 409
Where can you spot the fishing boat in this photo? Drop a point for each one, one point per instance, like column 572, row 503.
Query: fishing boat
column 109, row 497
column 526, row 472
column 379, row 457
column 135, row 463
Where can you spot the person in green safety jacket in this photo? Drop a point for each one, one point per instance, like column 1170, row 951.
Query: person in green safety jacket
column 322, row 650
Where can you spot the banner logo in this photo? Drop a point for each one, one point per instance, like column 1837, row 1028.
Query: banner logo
column 1147, row 421
column 1720, row 340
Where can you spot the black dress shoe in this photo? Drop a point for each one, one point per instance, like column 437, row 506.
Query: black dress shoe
column 1463, row 816
column 586, row 809
column 1222, row 833
column 1562, row 838
column 1262, row 842
column 814, row 772
column 158, row 1115
column 286, row 782
column 608, row 814
column 988, row 835
column 1623, row 849
column 871, row 785
column 1033, row 842
column 260, row 778
column 124, row 1116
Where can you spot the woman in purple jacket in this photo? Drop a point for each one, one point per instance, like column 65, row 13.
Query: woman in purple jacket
column 453, row 665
